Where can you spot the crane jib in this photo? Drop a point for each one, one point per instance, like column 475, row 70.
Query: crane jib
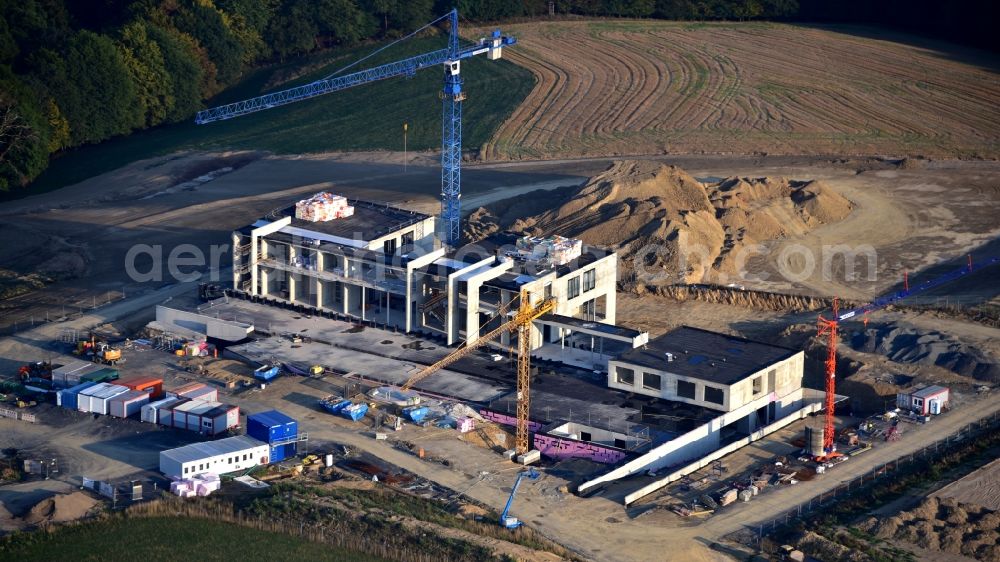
column 406, row 67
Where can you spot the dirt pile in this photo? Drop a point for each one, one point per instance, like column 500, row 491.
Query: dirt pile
column 667, row 226
column 822, row 548
column 908, row 345
column 944, row 525
column 60, row 508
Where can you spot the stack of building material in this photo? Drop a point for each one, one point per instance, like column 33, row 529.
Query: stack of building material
column 556, row 250
column 745, row 494
column 182, row 488
column 323, row 207
column 728, row 496
column 128, row 404
column 465, row 425
column 280, row 432
column 207, row 483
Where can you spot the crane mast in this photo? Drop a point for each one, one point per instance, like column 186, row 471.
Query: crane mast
column 521, row 323
column 451, row 95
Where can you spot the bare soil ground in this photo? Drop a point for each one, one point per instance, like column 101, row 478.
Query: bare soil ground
column 982, row 487
column 648, row 87
column 944, row 525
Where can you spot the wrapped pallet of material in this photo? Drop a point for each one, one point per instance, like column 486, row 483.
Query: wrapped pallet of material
column 728, row 496
column 557, row 250
column 323, row 207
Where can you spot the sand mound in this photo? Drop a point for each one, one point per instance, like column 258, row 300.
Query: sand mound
column 61, row 508
column 667, row 226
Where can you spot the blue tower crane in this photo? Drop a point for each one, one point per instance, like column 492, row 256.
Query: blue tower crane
column 451, row 98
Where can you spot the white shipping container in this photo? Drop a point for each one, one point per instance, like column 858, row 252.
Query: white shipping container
column 151, row 411
column 83, row 401
column 128, row 404
column 206, row 394
column 100, row 402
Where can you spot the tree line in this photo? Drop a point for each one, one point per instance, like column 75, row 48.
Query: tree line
column 76, row 72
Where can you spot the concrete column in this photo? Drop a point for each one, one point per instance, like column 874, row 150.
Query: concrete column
column 343, row 298
column 264, row 287
column 472, row 311
column 236, row 251
column 255, row 241
column 319, row 282
column 363, row 291
column 293, row 252
column 408, row 320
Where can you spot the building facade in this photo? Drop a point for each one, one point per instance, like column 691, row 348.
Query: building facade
column 387, row 265
column 708, row 369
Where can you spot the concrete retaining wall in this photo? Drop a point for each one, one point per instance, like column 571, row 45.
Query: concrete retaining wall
column 226, row 330
column 706, row 460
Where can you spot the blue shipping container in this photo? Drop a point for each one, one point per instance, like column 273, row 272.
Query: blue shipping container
column 67, row 398
column 271, row 426
column 281, row 452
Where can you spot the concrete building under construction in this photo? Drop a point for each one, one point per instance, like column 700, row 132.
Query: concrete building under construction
column 387, row 265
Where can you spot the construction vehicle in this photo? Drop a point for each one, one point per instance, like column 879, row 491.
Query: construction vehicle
column 520, row 323
column 210, row 291
column 107, row 354
column 828, row 327
column 451, row 95
column 37, row 371
column 506, row 520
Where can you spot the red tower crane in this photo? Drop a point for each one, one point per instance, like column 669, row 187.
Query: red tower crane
column 828, row 327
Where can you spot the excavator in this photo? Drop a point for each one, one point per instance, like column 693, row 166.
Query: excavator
column 99, row 351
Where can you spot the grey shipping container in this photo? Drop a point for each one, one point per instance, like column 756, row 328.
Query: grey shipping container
column 128, row 404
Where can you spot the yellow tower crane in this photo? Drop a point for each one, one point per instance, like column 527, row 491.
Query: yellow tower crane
column 527, row 312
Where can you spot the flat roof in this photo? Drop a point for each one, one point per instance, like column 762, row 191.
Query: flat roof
column 708, row 356
column 271, row 418
column 929, row 391
column 591, row 325
column 369, row 221
column 206, row 449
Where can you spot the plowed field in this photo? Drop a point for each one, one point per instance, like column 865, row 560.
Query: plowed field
column 629, row 87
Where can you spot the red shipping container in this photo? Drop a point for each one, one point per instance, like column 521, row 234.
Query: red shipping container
column 152, row 384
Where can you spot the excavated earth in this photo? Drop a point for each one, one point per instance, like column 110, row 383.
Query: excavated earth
column 667, row 226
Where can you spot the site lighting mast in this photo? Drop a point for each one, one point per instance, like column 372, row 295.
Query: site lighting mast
column 451, row 95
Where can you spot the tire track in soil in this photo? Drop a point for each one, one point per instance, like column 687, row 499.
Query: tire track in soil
column 638, row 87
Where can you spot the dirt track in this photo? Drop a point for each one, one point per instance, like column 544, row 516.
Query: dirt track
column 628, row 87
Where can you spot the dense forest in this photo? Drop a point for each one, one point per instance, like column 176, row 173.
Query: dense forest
column 76, row 72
